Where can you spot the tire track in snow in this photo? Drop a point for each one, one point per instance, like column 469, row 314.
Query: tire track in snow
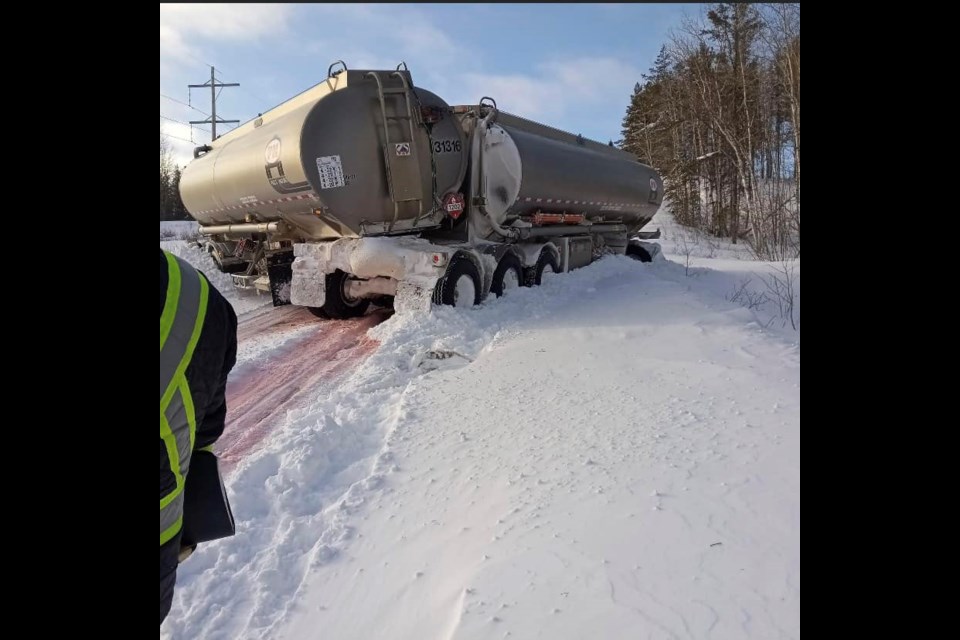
column 260, row 393
column 257, row 323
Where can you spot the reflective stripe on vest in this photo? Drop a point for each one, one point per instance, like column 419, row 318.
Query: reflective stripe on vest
column 180, row 324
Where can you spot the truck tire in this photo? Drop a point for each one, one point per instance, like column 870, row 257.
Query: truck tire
column 638, row 253
column 509, row 274
column 215, row 257
column 546, row 261
column 454, row 287
column 383, row 301
column 338, row 306
column 236, row 267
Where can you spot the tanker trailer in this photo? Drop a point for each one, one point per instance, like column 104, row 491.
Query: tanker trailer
column 367, row 187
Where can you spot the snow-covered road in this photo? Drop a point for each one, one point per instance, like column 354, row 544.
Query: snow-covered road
column 284, row 359
column 614, row 454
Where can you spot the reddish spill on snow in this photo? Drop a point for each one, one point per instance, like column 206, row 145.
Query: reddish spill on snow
column 259, row 396
column 277, row 318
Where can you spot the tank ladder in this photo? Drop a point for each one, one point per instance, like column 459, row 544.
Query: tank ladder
column 403, row 168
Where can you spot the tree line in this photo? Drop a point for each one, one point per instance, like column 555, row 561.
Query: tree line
column 171, row 206
column 718, row 115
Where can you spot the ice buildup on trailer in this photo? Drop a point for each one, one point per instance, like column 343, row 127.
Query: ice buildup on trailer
column 367, row 188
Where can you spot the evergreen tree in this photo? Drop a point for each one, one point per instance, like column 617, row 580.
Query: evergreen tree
column 178, row 211
column 164, row 177
column 718, row 115
column 632, row 123
column 171, row 206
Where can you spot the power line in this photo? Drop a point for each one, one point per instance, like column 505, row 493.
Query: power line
column 212, row 118
column 184, row 104
column 206, row 64
column 170, row 135
column 249, row 93
column 174, row 120
column 259, row 99
column 235, row 123
column 184, row 123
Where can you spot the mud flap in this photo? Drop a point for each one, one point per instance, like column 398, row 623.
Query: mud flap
column 413, row 297
column 308, row 288
column 280, row 274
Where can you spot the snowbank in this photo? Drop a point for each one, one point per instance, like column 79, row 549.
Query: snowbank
column 614, row 454
column 179, row 229
column 243, row 301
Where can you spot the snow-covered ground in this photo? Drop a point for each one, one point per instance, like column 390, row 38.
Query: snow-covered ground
column 614, row 454
column 178, row 229
column 244, row 302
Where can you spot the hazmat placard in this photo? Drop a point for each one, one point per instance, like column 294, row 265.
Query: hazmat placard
column 331, row 172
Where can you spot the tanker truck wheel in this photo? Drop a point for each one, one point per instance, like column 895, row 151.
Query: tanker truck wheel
column 235, row 267
column 509, row 274
column 547, row 265
column 638, row 253
column 460, row 285
column 339, row 306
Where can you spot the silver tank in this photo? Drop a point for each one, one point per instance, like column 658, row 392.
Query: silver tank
column 344, row 158
column 529, row 168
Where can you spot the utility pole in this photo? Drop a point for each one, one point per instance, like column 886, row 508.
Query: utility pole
column 213, row 119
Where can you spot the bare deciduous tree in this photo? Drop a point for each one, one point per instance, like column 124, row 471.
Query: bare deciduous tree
column 719, row 116
column 746, row 297
column 781, row 287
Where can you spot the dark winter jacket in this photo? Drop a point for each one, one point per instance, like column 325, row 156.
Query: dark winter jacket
column 213, row 358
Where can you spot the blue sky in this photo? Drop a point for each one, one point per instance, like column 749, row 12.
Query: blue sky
column 572, row 66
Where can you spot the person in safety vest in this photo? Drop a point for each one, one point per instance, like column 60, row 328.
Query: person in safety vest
column 198, row 348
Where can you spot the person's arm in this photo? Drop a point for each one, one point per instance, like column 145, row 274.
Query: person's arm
column 210, row 426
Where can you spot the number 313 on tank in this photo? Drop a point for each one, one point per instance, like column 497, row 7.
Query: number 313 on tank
column 447, row 146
